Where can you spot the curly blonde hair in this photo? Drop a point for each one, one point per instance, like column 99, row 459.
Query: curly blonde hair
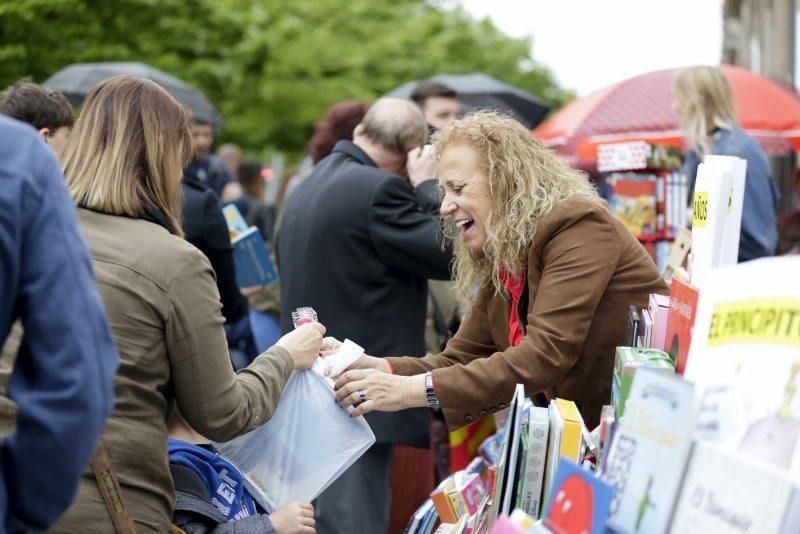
column 526, row 180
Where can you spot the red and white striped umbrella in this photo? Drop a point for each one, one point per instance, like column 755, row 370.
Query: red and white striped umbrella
column 640, row 108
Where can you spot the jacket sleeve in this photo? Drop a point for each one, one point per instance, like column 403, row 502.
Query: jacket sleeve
column 220, row 254
column 579, row 255
column 405, row 231
column 217, row 403
column 63, row 378
column 193, row 523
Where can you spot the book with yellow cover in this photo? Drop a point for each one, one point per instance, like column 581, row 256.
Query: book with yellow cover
column 571, row 432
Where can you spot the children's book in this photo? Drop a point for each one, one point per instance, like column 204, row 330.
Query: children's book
column 649, row 452
column 745, row 360
column 580, row 501
column 725, row 491
column 680, row 319
column 538, row 430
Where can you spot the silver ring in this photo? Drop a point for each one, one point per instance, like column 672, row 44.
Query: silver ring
column 362, row 396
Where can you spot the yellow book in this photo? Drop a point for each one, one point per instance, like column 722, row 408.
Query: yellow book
column 571, row 437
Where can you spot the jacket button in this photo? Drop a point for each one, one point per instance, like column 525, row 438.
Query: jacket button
column 483, row 412
column 468, row 419
column 502, row 406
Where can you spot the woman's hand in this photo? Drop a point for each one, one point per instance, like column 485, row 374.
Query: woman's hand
column 294, row 518
column 370, row 390
column 303, row 344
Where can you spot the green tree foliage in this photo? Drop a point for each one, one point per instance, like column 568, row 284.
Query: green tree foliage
column 272, row 67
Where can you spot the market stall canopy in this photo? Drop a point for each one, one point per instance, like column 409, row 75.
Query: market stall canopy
column 481, row 91
column 640, row 109
column 76, row 80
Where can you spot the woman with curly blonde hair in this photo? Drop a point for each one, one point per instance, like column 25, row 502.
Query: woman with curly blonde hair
column 550, row 274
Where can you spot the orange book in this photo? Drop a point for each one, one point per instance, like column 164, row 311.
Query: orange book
column 442, row 502
column 680, row 319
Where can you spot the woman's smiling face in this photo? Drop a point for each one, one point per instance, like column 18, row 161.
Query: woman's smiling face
column 465, row 192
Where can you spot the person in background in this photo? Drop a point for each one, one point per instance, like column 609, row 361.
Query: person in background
column 789, row 224
column 205, row 167
column 338, row 125
column 549, row 273
column 212, row 497
column 358, row 241
column 231, row 156
column 204, row 226
column 62, row 380
column 123, row 166
column 703, row 101
column 438, row 102
column 47, row 111
column 254, row 210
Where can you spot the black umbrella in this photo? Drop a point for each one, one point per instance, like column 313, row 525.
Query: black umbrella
column 478, row 90
column 77, row 79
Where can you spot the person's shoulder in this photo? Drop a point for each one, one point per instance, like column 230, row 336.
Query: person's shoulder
column 569, row 212
column 139, row 245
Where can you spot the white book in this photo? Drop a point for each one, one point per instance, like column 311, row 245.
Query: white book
column 712, row 189
column 737, row 170
column 538, row 431
column 745, row 360
column 725, row 492
column 553, row 450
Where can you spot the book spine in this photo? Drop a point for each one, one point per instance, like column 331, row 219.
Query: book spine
column 571, row 441
column 536, row 462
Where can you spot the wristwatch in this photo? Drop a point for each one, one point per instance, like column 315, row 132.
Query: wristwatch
column 430, row 394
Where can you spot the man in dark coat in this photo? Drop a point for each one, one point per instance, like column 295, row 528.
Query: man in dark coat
column 357, row 242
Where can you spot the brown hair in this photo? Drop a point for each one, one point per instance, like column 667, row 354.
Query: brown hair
column 338, row 125
column 37, row 106
column 127, row 151
column 251, row 180
column 526, row 180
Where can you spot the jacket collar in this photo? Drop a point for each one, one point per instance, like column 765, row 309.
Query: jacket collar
column 355, row 152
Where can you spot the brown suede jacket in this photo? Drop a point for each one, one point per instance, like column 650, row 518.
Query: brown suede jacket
column 584, row 269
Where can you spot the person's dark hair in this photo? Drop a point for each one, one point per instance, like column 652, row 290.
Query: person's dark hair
column 250, row 178
column 426, row 90
column 338, row 125
column 201, row 121
column 39, row 107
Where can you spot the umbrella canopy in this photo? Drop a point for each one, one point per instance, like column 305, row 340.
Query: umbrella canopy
column 76, row 80
column 640, row 108
column 478, row 90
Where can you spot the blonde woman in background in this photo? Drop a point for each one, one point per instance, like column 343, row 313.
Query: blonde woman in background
column 123, row 166
column 703, row 101
column 555, row 274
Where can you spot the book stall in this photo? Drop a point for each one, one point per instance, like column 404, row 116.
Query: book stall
column 646, row 191
column 701, row 433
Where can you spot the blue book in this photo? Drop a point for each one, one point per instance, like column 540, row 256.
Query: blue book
column 253, row 266
column 580, row 501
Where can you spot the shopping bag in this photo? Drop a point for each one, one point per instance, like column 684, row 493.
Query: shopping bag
column 309, row 442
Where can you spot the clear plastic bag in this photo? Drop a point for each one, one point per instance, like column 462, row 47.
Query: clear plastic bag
column 309, row 442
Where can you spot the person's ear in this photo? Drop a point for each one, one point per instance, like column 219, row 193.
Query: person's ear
column 358, row 131
column 44, row 134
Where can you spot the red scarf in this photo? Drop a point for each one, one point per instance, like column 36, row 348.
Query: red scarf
column 514, row 289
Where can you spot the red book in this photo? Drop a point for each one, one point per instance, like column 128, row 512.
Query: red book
column 633, row 201
column 680, row 319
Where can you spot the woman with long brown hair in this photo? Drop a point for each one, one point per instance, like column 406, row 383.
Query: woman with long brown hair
column 123, row 165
